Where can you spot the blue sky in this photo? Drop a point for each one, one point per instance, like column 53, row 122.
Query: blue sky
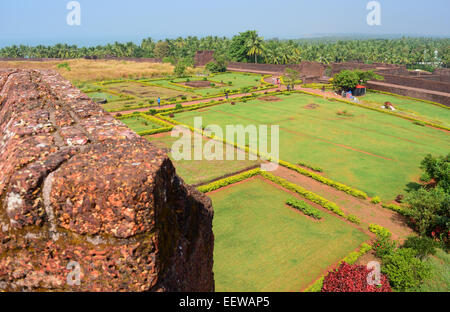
column 44, row 21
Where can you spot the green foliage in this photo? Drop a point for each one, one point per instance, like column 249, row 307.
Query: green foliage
column 228, row 181
column 305, row 208
column 336, row 185
column 348, row 79
column 305, row 193
column 424, row 246
column 404, row 270
column 179, row 106
column 180, row 70
column 64, row 65
column 292, row 76
column 384, row 246
column 396, row 208
column 438, row 168
column 376, row 200
column 353, row 219
column 161, row 49
column 219, row 65
column 430, row 210
column 380, row 231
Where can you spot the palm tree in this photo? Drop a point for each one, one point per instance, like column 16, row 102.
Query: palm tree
column 255, row 45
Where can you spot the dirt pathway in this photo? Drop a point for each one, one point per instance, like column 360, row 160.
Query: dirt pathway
column 363, row 209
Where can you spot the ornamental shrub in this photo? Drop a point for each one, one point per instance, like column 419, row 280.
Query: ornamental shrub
column 404, row 269
column 379, row 230
column 376, row 200
column 424, row 246
column 353, row 278
column 384, row 246
column 178, row 106
column 305, row 208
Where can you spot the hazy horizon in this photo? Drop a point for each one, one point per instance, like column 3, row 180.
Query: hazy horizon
column 30, row 22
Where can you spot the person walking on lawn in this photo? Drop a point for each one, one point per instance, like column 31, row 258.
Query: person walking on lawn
column 159, row 102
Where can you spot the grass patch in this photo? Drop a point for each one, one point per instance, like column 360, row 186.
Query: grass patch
column 139, row 124
column 262, row 245
column 371, row 151
column 201, row 171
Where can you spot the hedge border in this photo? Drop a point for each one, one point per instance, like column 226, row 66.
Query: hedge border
column 313, row 197
column 166, row 127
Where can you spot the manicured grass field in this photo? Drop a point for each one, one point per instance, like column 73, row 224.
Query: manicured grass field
column 375, row 152
column 263, row 245
column 440, row 268
column 138, row 124
column 201, row 171
column 421, row 110
column 103, row 95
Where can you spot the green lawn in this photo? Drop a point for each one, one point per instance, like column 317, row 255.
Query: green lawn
column 201, row 171
column 103, row 95
column 138, row 123
column 372, row 151
column 440, row 280
column 418, row 109
column 263, row 245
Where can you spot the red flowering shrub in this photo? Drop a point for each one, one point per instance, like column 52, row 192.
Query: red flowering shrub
column 352, row 278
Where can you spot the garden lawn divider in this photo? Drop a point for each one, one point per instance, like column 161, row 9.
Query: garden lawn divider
column 325, row 203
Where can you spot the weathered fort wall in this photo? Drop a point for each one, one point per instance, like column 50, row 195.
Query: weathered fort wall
column 78, row 189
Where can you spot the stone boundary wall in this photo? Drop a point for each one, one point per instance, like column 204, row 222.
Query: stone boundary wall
column 202, row 58
column 415, row 93
column 80, row 192
column 417, row 83
column 306, row 69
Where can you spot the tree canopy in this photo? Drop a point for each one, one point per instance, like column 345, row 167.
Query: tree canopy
column 247, row 46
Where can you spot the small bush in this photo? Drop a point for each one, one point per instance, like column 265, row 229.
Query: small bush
column 353, row 219
column 404, row 270
column 178, row 106
column 305, row 208
column 353, row 278
column 153, row 112
column 379, row 231
column 376, row 200
column 424, row 246
column 384, row 246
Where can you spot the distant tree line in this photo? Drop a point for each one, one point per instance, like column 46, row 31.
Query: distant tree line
column 250, row 47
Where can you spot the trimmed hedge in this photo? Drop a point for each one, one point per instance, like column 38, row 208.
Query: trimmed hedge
column 318, row 177
column 375, row 200
column 380, row 231
column 165, row 127
column 325, row 203
column 305, row 208
column 401, row 210
column 228, row 181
